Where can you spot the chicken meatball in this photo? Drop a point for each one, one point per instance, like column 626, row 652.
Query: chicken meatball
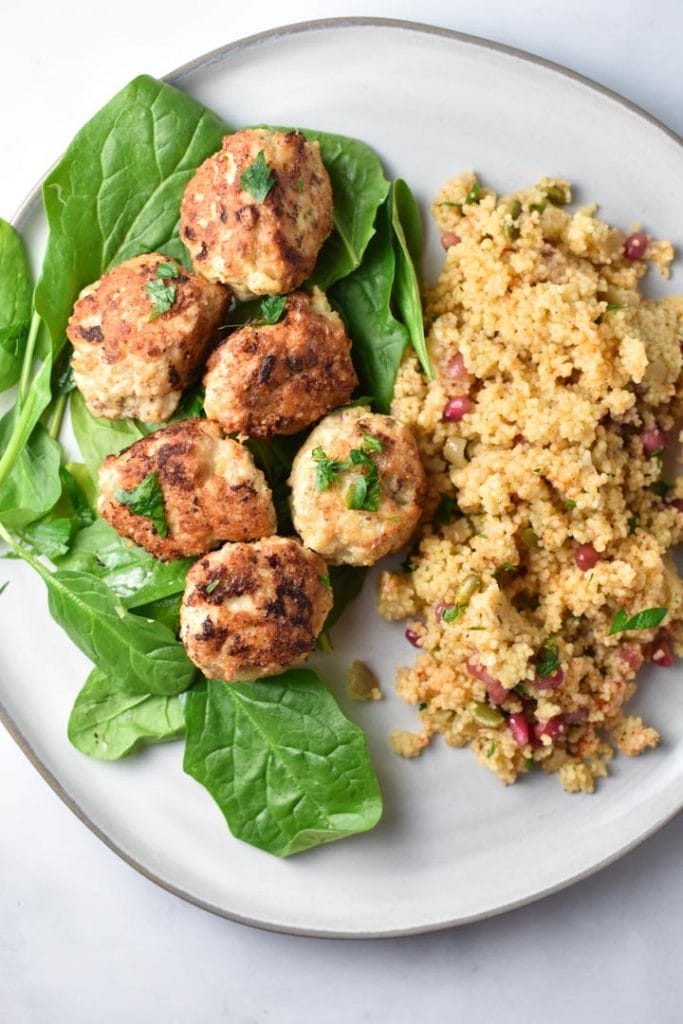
column 358, row 487
column 185, row 489
column 140, row 335
column 252, row 610
column 280, row 378
column 256, row 213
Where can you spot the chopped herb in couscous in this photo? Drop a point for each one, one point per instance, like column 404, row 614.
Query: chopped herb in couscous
column 540, row 579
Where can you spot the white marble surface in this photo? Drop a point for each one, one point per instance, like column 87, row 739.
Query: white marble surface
column 83, row 937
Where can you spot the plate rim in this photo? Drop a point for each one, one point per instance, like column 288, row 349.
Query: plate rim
column 202, row 62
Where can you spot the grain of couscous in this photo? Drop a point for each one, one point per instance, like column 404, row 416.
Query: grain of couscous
column 549, row 514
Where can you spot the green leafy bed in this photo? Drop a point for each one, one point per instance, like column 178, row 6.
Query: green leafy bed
column 287, row 769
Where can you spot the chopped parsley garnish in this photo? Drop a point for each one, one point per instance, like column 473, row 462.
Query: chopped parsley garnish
column 528, row 763
column 570, row 504
column 161, row 295
column 612, row 306
column 492, row 749
column 327, row 470
column 632, row 524
column 365, row 491
column 506, row 567
column 537, row 470
column 325, row 580
column 421, row 706
column 660, row 488
column 167, row 270
column 446, row 509
column 300, row 184
column 647, row 619
column 271, row 309
column 258, row 179
column 547, row 660
column 371, row 443
column 210, row 587
column 146, row 499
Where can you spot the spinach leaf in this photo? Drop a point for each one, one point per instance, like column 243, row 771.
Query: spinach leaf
column 97, row 437
column 50, row 538
column 107, row 724
column 358, row 189
column 407, row 228
column 33, row 485
column 141, row 655
column 165, row 610
column 77, row 486
column 116, row 191
column 275, row 458
column 15, row 304
column 346, row 582
column 364, row 299
column 286, row 768
column 134, row 575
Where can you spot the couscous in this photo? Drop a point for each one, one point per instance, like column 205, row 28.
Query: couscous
column 550, row 511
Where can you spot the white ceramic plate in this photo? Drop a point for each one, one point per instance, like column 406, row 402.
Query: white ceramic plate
column 453, row 844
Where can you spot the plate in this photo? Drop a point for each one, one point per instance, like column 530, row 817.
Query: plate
column 453, row 845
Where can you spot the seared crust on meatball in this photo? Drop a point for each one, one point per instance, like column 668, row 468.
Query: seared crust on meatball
column 129, row 358
column 252, row 610
column 357, row 536
column 280, row 378
column 212, row 491
column 258, row 247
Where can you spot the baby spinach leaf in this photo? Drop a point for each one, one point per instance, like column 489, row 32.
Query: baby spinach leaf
column 117, row 190
column 358, row 189
column 346, row 582
column 15, row 304
column 284, row 765
column 97, row 437
column 275, row 458
column 32, row 486
column 142, row 656
column 166, row 610
column 77, row 486
column 407, row 228
column 147, row 499
column 134, row 576
column 107, row 724
column 365, row 299
column 50, row 538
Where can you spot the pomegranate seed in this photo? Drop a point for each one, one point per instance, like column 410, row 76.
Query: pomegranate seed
column 550, row 682
column 450, row 238
column 553, row 728
column 455, row 368
column 412, row 637
column 586, row 557
column 636, row 245
column 654, row 440
column 661, row 653
column 456, row 408
column 632, row 657
column 519, row 727
column 677, row 504
column 494, row 687
column 576, row 717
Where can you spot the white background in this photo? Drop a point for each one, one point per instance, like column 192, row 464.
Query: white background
column 82, row 936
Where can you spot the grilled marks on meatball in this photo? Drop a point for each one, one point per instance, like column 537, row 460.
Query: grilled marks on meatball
column 252, row 610
column 260, row 242
column 212, row 491
column 140, row 334
column 279, row 378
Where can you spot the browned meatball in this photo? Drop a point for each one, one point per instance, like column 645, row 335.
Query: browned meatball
column 335, row 507
column 140, row 335
column 260, row 242
column 280, row 378
column 252, row 610
column 211, row 491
